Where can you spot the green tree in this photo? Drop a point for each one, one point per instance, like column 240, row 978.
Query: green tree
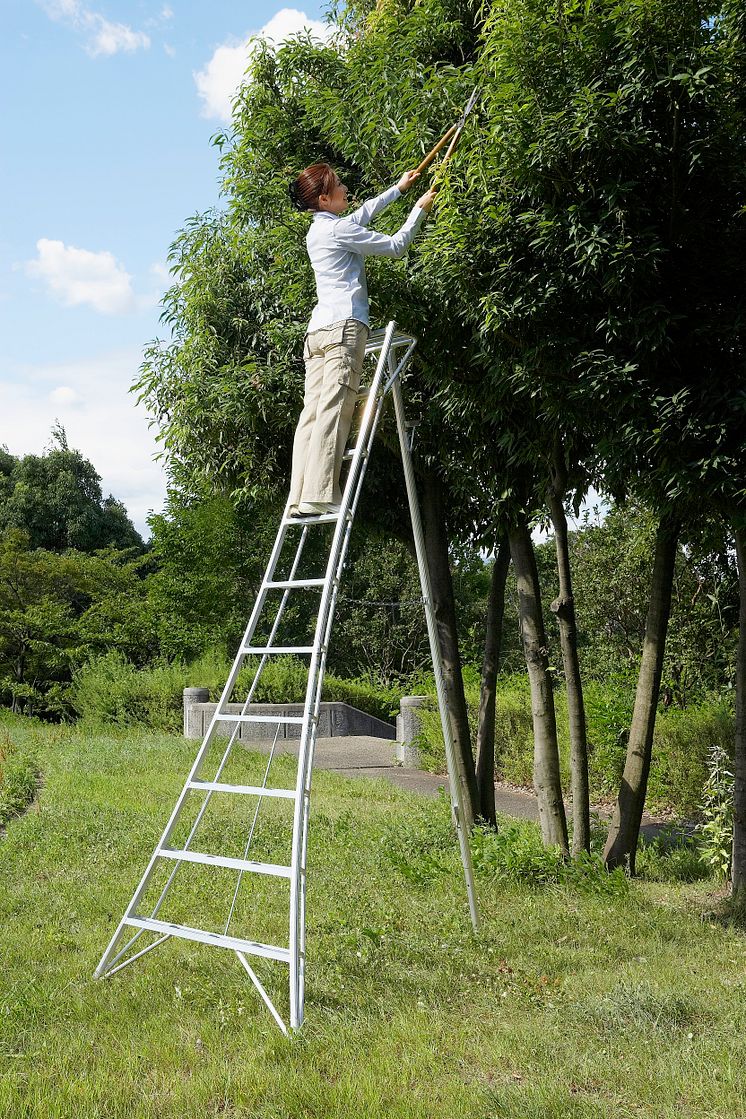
column 56, row 611
column 56, row 499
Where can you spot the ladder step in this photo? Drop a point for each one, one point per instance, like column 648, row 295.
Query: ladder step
column 316, row 519
column 247, row 790
column 288, row 584
column 273, row 869
column 350, row 454
column 217, row 940
column 225, row 718
column 275, row 649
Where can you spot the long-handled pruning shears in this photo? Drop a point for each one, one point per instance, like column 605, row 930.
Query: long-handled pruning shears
column 453, row 134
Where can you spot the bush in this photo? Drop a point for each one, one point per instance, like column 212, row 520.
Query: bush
column 682, row 738
column 111, row 691
column 680, row 748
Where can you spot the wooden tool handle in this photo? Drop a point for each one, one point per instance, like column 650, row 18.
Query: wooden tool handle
column 440, row 144
column 452, row 146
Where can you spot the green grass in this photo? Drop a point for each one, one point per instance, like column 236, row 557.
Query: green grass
column 19, row 776
column 573, row 1001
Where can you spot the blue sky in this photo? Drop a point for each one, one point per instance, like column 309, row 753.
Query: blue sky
column 108, row 107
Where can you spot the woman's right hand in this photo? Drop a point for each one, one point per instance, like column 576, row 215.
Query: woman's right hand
column 426, row 201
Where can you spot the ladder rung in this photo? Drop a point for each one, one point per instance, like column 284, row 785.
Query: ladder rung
column 225, row 718
column 247, row 790
column 275, row 649
column 351, row 454
column 217, row 940
column 289, row 584
column 273, row 869
column 315, row 519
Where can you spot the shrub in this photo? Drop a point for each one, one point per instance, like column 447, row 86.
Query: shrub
column 682, row 738
column 111, row 691
column 680, row 748
column 608, row 712
column 716, row 829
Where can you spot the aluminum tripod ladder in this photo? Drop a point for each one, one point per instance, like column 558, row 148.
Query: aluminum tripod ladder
column 394, row 350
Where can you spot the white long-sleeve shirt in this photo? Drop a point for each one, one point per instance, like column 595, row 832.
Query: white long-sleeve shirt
column 337, row 247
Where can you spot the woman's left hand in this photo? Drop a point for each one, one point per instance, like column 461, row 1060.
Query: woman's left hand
column 408, row 179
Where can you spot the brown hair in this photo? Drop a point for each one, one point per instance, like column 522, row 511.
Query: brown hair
column 316, row 180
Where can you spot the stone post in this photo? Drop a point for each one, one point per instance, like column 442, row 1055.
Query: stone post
column 192, row 724
column 408, row 727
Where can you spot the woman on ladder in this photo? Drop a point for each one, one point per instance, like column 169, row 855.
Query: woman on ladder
column 334, row 345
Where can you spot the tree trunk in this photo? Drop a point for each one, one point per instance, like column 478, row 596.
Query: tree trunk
column 444, row 608
column 564, row 607
column 739, row 769
column 621, row 845
column 546, row 754
column 490, row 667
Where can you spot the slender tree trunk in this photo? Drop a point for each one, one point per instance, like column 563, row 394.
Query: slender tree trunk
column 444, row 608
column 739, row 770
column 564, row 607
column 546, row 754
column 621, row 845
column 490, row 667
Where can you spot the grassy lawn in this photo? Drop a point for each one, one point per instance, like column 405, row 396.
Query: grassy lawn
column 582, row 998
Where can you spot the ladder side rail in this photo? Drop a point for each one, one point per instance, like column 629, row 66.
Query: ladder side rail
column 312, row 747
column 148, row 872
column 367, row 445
column 342, row 554
column 458, row 787
column 297, row 891
column 338, row 550
column 353, row 490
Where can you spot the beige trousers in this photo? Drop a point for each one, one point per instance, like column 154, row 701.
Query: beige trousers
column 334, row 360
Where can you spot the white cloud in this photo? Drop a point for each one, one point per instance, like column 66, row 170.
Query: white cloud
column 91, row 399
column 64, row 395
column 103, row 37
column 161, row 274
column 77, row 276
column 218, row 82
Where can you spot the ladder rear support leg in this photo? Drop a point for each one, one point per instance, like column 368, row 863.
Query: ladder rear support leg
column 457, row 778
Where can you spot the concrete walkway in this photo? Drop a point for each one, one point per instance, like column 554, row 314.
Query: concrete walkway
column 374, row 757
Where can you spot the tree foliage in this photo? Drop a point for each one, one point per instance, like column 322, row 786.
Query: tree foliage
column 56, row 499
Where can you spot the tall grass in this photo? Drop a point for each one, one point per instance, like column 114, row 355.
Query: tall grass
column 19, row 776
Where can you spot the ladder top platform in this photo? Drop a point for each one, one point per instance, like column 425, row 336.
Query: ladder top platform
column 376, row 339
